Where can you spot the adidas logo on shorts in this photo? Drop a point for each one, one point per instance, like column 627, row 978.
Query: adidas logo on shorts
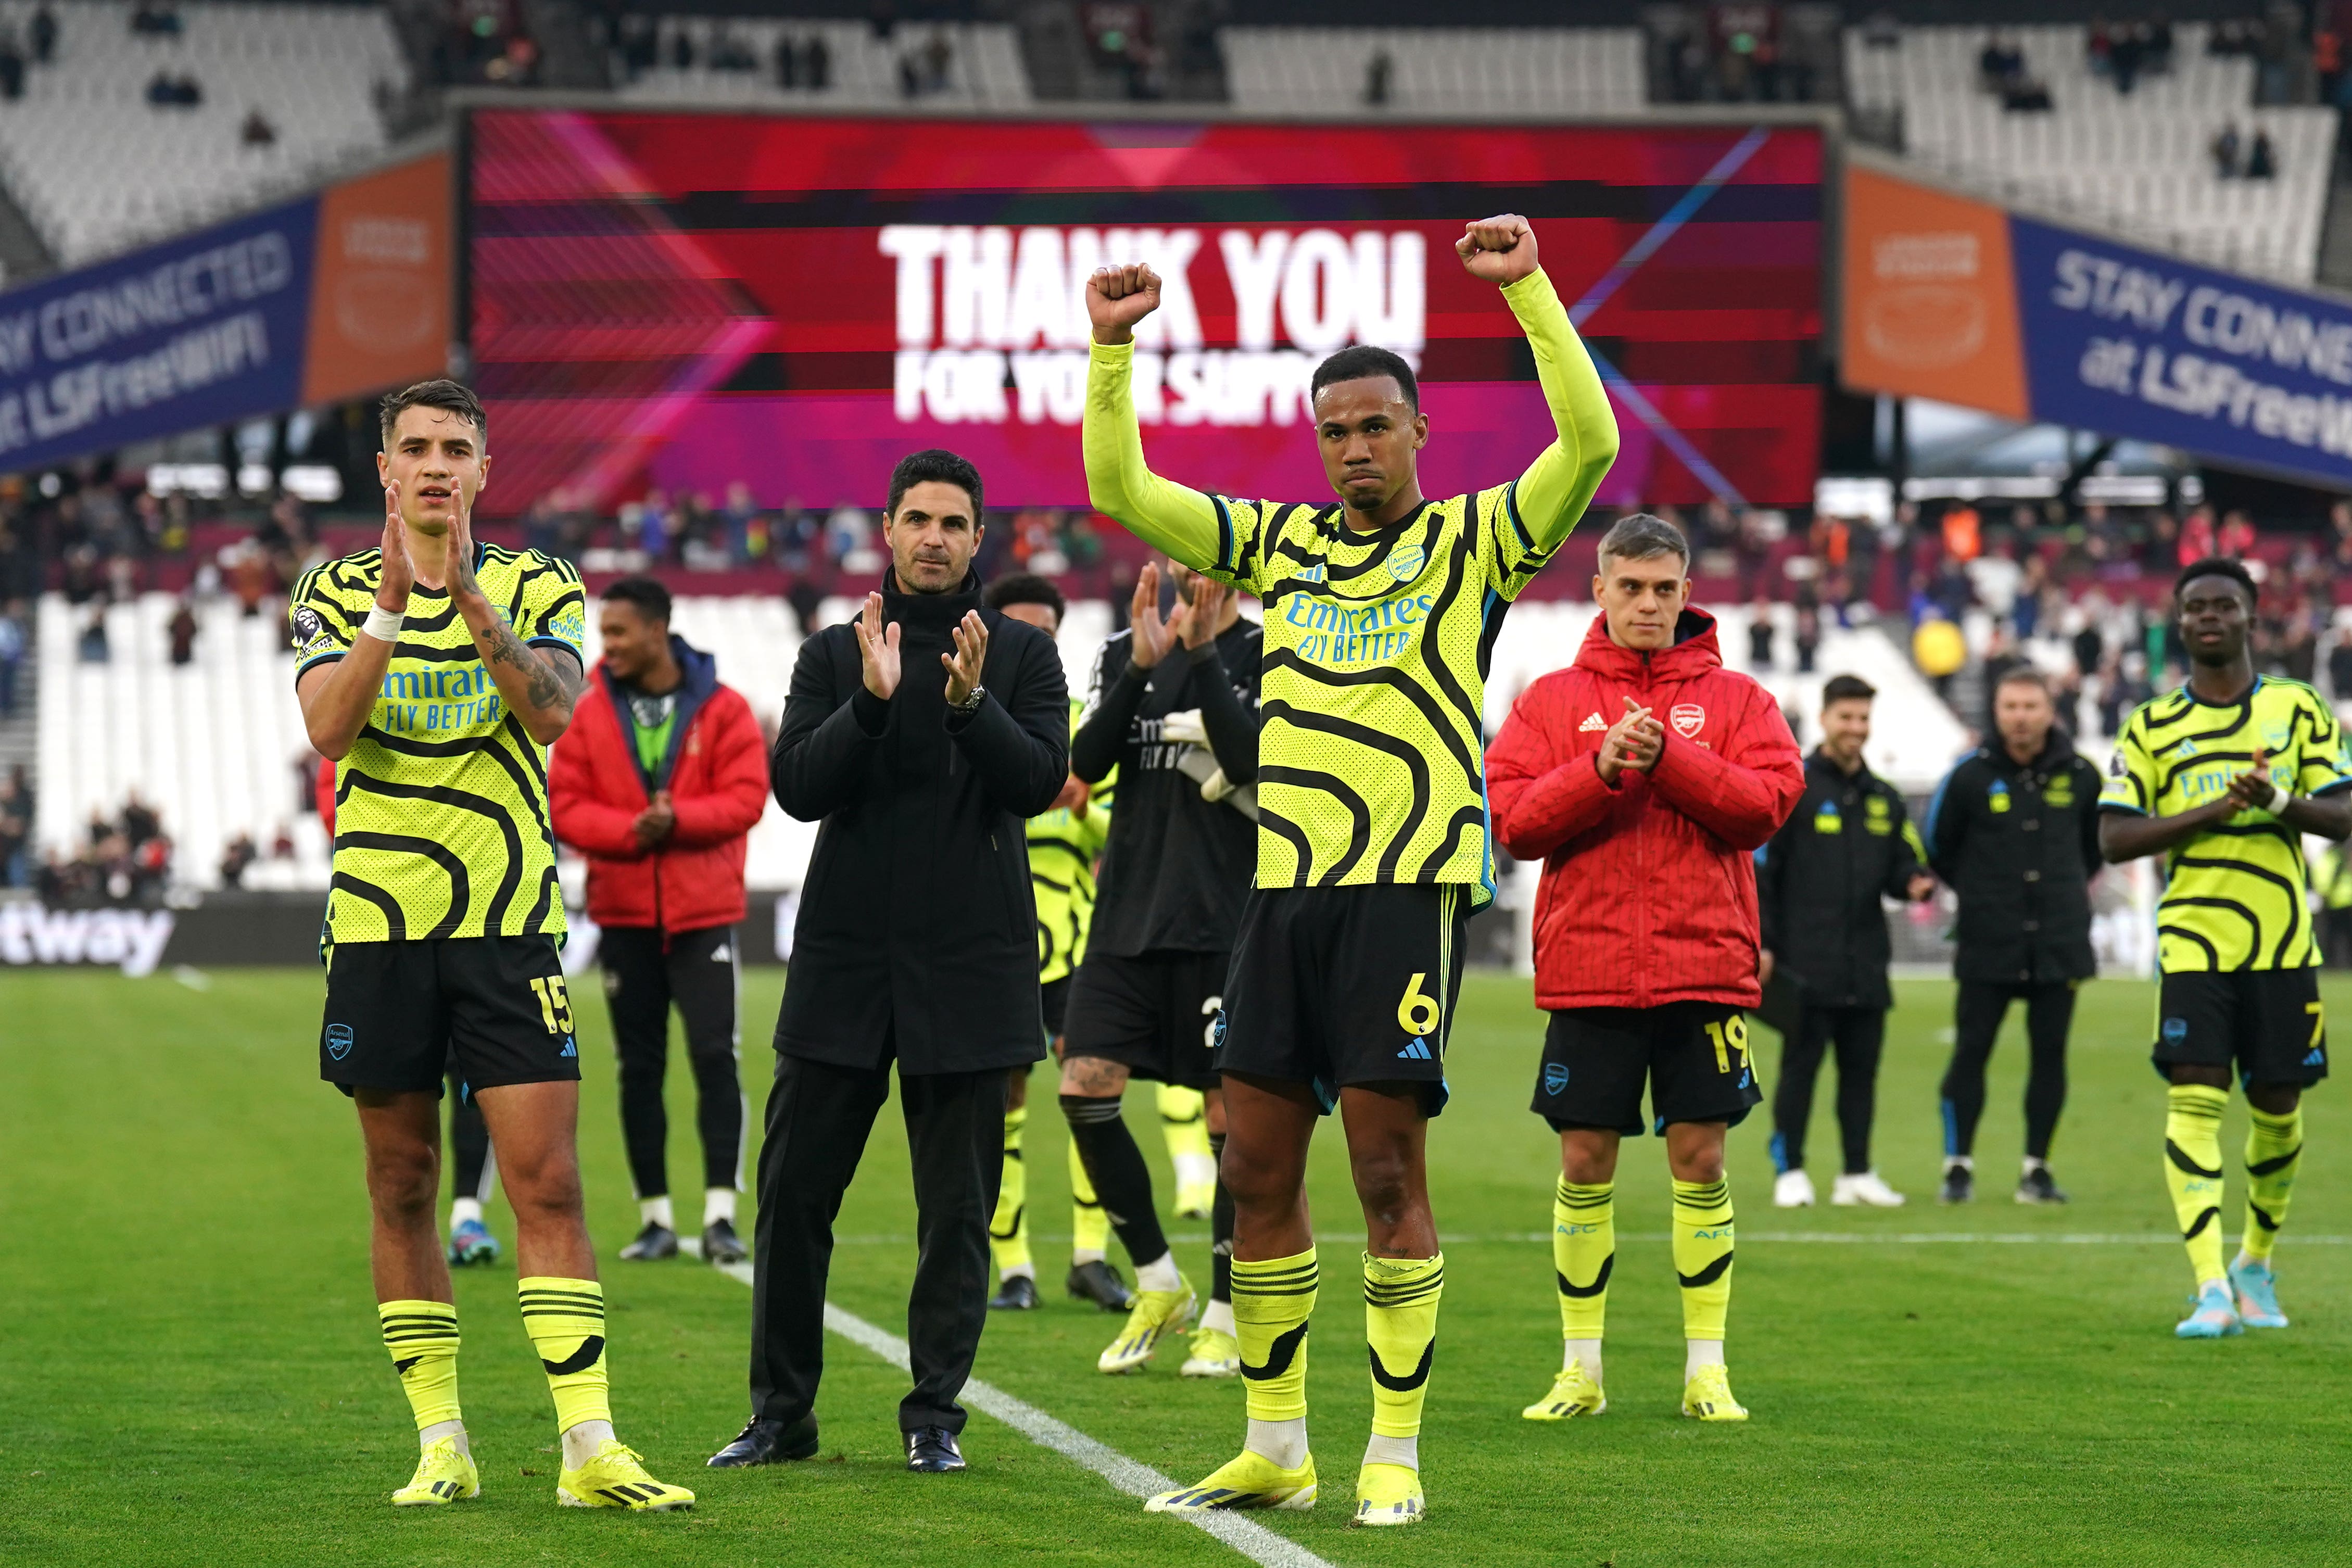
column 1416, row 1050
column 1592, row 721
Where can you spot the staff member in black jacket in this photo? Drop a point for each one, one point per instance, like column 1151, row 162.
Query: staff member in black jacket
column 2015, row 830
column 917, row 940
column 1818, row 885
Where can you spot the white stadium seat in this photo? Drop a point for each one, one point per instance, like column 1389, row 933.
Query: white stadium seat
column 1439, row 70
column 984, row 69
column 2137, row 163
column 97, row 169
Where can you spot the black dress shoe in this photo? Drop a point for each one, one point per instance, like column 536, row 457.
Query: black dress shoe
column 1018, row 1294
column 768, row 1443
column 1096, row 1281
column 932, row 1451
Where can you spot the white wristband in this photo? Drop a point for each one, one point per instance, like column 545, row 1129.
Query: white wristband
column 2278, row 798
column 383, row 625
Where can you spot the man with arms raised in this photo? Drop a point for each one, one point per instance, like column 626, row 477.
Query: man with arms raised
column 436, row 672
column 1643, row 776
column 1372, row 846
column 2223, row 778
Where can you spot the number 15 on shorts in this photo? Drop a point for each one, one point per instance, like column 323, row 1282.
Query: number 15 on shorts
column 554, row 1003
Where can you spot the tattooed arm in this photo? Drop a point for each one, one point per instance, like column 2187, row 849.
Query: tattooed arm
column 538, row 685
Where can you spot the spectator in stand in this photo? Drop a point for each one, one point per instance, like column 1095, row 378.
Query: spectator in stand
column 15, row 828
column 1963, row 533
column 2000, row 64
column 817, row 64
column 1809, row 635
column 2297, row 648
column 2339, row 667
column 181, row 630
column 12, row 65
column 12, row 655
column 45, row 35
column 237, row 859
column 2025, row 607
column 2237, row 537
column 2262, row 160
column 1378, row 76
column 2197, row 541
column 2228, row 152
column 257, row 131
column 1760, row 632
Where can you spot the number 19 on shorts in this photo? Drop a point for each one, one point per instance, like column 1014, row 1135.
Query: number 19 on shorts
column 1729, row 1036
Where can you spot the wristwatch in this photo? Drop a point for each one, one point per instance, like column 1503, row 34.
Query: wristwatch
column 970, row 704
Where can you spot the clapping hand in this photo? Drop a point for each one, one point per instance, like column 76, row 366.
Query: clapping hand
column 1633, row 742
column 399, row 574
column 1922, row 888
column 2251, row 790
column 654, row 824
column 1196, row 619
column 878, row 648
column 1152, row 633
column 964, row 665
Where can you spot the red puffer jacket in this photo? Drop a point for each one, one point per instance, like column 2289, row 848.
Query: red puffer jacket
column 1648, row 893
column 717, row 785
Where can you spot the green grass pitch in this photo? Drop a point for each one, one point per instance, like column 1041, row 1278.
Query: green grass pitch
column 190, row 1372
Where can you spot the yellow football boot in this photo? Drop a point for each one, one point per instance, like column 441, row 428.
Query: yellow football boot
column 443, row 1474
column 1389, row 1494
column 1707, row 1395
column 1573, row 1394
column 616, row 1477
column 1251, row 1482
column 1155, row 1315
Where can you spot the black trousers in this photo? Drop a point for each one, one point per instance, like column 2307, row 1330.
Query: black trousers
column 1976, row 1024
column 647, row 971
column 469, row 1145
column 1857, row 1035
column 818, row 1120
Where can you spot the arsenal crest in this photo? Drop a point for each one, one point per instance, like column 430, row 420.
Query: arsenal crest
column 1688, row 718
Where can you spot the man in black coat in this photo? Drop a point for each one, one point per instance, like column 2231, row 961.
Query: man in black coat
column 1818, row 883
column 2015, row 830
column 915, row 940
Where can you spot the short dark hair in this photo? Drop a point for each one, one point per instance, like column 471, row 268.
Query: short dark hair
column 1361, row 362
column 2025, row 675
column 440, row 393
column 1638, row 536
column 933, row 463
column 1024, row 588
column 651, row 599
column 2219, row 566
column 1847, row 688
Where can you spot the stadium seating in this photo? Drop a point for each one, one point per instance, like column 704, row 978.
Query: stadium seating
column 2138, row 163
column 1443, row 71
column 984, row 69
column 215, row 744
column 97, row 168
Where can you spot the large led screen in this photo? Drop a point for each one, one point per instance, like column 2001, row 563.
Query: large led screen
column 689, row 300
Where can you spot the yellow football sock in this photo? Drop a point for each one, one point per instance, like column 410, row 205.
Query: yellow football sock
column 1089, row 1227
column 2273, row 1148
column 1400, row 1297
column 423, row 1339
column 1008, row 1229
column 565, row 1319
column 1703, row 1238
column 2192, row 1169
column 1272, row 1303
column 1584, row 1251
column 1183, row 1120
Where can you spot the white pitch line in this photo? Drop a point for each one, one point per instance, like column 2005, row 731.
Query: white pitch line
column 1244, row 1535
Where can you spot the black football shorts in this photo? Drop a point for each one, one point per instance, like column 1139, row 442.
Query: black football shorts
column 1693, row 1055
column 2268, row 1024
column 1333, row 987
column 1156, row 1014
column 491, row 1010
